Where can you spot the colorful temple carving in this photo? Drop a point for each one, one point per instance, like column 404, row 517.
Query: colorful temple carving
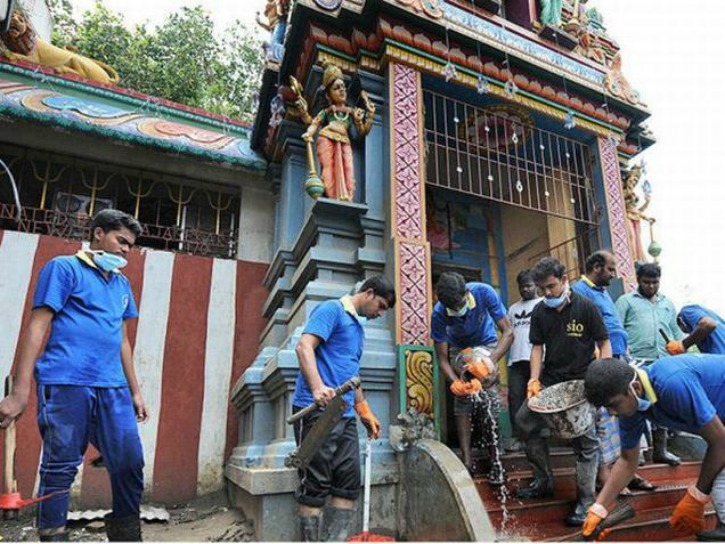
column 498, row 133
column 463, row 135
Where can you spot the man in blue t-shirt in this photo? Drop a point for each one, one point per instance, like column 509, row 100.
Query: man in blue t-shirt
column 463, row 328
column 329, row 353
column 704, row 328
column 600, row 269
column 85, row 377
column 686, row 392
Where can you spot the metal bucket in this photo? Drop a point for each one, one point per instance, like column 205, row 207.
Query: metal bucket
column 565, row 409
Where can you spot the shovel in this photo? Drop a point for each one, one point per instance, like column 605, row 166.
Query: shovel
column 366, row 535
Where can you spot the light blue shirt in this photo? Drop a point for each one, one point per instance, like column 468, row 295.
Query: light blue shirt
column 643, row 318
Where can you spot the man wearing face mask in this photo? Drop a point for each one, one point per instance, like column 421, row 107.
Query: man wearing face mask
column 567, row 326
column 85, row 377
column 463, row 329
column 686, row 392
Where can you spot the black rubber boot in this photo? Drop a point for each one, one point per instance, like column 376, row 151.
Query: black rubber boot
column 310, row 528
column 714, row 535
column 660, row 453
column 337, row 524
column 126, row 529
column 57, row 537
column 537, row 453
column 586, row 477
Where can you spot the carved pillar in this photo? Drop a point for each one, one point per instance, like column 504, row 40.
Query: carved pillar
column 412, row 251
column 616, row 215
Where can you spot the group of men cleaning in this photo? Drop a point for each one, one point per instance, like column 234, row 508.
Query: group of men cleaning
column 88, row 392
column 570, row 333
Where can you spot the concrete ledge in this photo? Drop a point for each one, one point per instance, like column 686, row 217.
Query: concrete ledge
column 441, row 501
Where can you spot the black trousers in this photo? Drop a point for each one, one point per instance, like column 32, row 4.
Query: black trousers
column 519, row 374
column 335, row 469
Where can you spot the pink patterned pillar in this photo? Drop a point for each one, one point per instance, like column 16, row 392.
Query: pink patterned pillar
column 412, row 252
column 616, row 212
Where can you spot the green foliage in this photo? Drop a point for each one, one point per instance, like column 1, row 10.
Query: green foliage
column 181, row 59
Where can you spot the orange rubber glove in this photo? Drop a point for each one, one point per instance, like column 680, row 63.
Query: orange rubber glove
column 595, row 515
column 675, row 347
column 479, row 369
column 368, row 419
column 465, row 389
column 533, row 388
column 689, row 515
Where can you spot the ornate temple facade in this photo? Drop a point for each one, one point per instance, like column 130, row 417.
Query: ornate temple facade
column 403, row 137
column 498, row 133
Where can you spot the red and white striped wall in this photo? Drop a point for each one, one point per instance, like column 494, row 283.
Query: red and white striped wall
column 198, row 329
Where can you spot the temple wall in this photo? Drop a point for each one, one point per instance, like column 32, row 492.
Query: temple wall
column 198, row 330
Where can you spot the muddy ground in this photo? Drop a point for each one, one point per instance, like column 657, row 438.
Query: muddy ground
column 195, row 522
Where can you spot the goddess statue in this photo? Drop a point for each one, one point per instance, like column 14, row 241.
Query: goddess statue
column 334, row 124
column 635, row 212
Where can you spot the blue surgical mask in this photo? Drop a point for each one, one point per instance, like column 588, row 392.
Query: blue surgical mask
column 555, row 302
column 108, row 262
column 642, row 404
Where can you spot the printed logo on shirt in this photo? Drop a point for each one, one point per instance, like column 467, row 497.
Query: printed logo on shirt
column 574, row 329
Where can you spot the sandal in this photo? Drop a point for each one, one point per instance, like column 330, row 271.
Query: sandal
column 641, row 484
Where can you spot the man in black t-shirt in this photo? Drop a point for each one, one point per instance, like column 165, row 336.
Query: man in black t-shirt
column 569, row 326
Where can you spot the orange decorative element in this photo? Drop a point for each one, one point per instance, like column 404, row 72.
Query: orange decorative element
column 197, row 134
column 169, row 129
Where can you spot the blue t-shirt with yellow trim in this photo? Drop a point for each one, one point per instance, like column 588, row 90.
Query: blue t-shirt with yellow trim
column 689, row 390
column 713, row 342
column 341, row 334
column 477, row 327
column 84, row 346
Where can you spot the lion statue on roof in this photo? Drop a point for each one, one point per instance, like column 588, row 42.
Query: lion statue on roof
column 21, row 43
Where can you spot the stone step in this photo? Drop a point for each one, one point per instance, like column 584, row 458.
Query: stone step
column 650, row 525
column 565, row 481
column 561, row 505
column 543, row 519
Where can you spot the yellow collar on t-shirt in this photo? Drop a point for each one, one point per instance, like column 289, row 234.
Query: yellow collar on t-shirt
column 470, row 302
column 348, row 306
column 647, row 385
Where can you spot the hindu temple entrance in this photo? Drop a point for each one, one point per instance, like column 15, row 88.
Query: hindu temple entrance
column 503, row 189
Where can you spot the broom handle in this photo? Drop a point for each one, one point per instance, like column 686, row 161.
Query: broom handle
column 366, row 496
column 9, row 484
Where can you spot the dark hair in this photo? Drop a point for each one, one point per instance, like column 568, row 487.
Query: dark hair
column 525, row 276
column 451, row 288
column 605, row 379
column 381, row 287
column 649, row 270
column 548, row 266
column 109, row 219
column 598, row 258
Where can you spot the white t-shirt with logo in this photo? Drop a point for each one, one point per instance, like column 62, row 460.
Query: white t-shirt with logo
column 520, row 316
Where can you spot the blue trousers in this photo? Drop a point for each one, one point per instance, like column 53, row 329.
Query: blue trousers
column 71, row 416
